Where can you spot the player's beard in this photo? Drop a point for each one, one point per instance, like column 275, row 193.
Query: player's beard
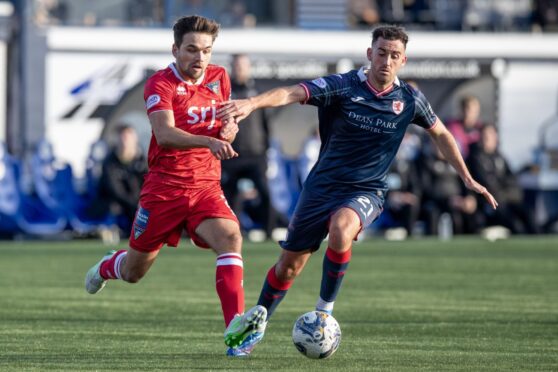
column 194, row 73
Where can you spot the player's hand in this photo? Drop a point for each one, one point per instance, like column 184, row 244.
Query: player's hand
column 239, row 109
column 228, row 130
column 222, row 150
column 480, row 189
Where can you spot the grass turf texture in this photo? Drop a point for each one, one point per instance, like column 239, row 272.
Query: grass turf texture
column 417, row 305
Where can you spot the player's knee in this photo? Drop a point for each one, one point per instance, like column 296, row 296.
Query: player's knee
column 232, row 239
column 340, row 234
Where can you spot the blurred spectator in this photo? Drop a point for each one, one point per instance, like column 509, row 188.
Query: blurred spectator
column 489, row 167
column 144, row 12
column 466, row 128
column 405, row 187
column 50, row 12
column 121, row 179
column 251, row 143
column 545, row 15
column 492, row 15
column 235, row 15
column 363, row 13
column 448, row 14
column 309, row 153
column 444, row 193
column 193, row 7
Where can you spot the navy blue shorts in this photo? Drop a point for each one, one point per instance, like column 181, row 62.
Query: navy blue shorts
column 309, row 224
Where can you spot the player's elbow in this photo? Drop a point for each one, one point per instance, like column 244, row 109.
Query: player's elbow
column 163, row 139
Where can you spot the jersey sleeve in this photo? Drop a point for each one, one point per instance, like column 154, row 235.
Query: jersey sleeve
column 157, row 94
column 424, row 115
column 326, row 90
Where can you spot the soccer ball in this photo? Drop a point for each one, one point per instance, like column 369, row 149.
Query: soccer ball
column 316, row 334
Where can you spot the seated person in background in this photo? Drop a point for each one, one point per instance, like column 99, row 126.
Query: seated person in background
column 122, row 178
column 466, row 128
column 489, row 166
column 405, row 188
column 444, row 193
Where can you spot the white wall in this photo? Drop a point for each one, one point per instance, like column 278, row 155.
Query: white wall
column 528, row 97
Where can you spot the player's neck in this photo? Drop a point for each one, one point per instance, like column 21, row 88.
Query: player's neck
column 378, row 86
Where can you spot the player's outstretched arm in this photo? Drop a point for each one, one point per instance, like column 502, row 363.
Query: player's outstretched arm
column 167, row 135
column 447, row 145
column 272, row 98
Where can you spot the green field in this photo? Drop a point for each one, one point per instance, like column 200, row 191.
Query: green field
column 411, row 306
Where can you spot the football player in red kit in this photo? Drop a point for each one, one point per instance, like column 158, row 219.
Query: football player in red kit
column 182, row 187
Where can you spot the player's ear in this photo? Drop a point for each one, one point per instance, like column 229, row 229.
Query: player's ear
column 369, row 54
column 404, row 61
column 174, row 50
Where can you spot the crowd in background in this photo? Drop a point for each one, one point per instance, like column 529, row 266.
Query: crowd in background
column 441, row 15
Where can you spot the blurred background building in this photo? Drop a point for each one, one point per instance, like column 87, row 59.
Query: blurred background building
column 73, row 71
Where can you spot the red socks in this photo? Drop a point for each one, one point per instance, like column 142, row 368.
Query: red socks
column 228, row 282
column 110, row 269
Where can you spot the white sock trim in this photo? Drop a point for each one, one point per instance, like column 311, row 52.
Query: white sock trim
column 322, row 305
column 117, row 263
column 229, row 259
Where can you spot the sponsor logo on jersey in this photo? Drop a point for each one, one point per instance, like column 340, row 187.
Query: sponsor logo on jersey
column 152, row 100
column 214, row 86
column 397, row 107
column 140, row 222
column 320, row 82
column 357, row 99
column 180, row 90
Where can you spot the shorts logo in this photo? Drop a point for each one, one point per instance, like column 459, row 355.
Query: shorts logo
column 140, row 222
column 152, row 100
column 320, row 82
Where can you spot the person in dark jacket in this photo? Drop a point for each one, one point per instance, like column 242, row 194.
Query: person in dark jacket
column 443, row 192
column 490, row 167
column 251, row 144
column 122, row 178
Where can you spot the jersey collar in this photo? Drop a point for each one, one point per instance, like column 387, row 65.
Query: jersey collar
column 363, row 78
column 172, row 66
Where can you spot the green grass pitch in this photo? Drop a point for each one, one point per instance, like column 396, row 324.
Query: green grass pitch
column 419, row 305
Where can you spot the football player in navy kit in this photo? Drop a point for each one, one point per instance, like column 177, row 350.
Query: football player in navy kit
column 363, row 115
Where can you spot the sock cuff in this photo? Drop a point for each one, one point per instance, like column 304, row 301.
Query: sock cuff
column 275, row 282
column 339, row 257
column 229, row 259
column 117, row 261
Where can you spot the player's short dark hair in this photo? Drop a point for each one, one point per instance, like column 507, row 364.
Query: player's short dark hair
column 390, row 32
column 194, row 23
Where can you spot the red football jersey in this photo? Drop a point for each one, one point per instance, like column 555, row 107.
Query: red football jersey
column 194, row 106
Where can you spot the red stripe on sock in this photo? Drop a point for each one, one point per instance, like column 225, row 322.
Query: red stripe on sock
column 107, row 269
column 275, row 282
column 339, row 257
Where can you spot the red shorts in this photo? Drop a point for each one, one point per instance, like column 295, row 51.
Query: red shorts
column 161, row 217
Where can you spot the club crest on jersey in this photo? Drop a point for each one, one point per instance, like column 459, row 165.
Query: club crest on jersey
column 140, row 222
column 397, row 107
column 214, row 86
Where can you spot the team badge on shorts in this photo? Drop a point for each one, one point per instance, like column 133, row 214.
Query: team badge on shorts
column 140, row 223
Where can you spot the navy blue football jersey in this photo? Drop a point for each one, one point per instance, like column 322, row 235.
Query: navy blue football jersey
column 361, row 130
